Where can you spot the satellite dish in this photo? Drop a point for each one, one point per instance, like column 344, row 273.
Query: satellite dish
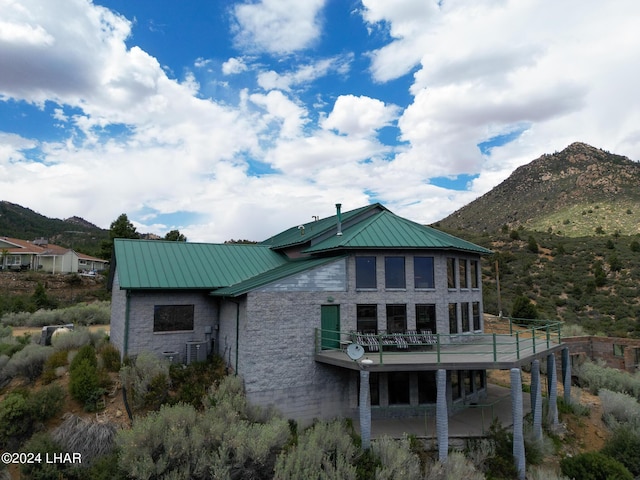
column 355, row 351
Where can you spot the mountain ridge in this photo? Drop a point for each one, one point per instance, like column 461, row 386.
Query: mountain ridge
column 554, row 191
column 75, row 232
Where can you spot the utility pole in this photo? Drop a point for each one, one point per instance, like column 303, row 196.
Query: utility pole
column 498, row 288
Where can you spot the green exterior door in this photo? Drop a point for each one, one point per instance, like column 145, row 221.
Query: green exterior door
column 330, row 325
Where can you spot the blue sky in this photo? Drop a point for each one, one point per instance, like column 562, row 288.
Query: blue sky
column 237, row 119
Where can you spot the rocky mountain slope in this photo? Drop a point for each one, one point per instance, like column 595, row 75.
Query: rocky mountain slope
column 579, row 191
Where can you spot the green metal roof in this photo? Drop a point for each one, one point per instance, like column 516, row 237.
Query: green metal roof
column 386, row 230
column 291, row 268
column 154, row 264
column 295, row 235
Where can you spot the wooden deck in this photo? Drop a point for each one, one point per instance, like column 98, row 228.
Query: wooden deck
column 476, row 353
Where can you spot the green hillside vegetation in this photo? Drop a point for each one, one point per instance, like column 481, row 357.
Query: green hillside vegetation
column 587, row 218
column 76, row 233
column 590, row 281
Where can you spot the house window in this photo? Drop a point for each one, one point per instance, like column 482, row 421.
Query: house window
column 479, row 380
column 427, row 387
column 468, row 381
column 423, row 272
column 618, row 350
column 396, row 318
column 394, row 276
column 451, row 273
column 464, row 311
column 636, row 356
column 456, row 385
column 476, row 315
column 453, row 318
column 463, row 274
column 475, row 274
column 82, row 263
column 367, row 318
column 399, row 392
column 366, row 272
column 14, row 260
column 172, row 318
column 426, row 318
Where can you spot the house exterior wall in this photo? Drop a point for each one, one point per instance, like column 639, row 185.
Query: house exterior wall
column 118, row 314
column 140, row 312
column 277, row 341
column 65, row 263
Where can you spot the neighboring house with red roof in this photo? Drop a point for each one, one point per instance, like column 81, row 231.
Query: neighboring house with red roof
column 39, row 255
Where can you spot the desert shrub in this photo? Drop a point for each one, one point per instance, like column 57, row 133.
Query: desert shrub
column 542, row 473
column 10, row 345
column 326, row 447
column 594, row 466
column 624, row 446
column 15, row 420
column 501, row 463
column 15, row 318
column 88, row 353
column 53, row 365
column 396, row 459
column 178, row 441
column 595, row 376
column 191, row 382
column 105, row 467
column 90, row 439
column 46, row 403
column 43, row 444
column 28, row 362
column 84, row 384
column 110, row 356
column 95, row 313
column 147, row 372
column 457, row 466
column 72, row 340
column 573, row 330
column 478, row 450
column 619, row 408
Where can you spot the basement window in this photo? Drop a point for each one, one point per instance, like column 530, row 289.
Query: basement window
column 173, row 318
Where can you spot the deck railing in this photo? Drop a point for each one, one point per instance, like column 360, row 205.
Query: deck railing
column 525, row 337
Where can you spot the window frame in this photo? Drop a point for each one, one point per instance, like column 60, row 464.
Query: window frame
column 403, row 314
column 395, row 273
column 475, row 274
column 463, row 271
column 465, row 317
column 453, row 319
column 162, row 316
column 476, row 316
column 432, row 321
column 430, row 275
column 366, row 274
column 367, row 319
column 451, row 273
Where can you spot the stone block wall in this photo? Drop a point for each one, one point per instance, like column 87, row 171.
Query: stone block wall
column 615, row 352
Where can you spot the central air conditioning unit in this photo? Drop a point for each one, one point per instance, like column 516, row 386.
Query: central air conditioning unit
column 196, row 351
